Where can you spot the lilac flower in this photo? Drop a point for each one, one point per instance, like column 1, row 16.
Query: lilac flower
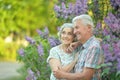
column 116, row 49
column 44, row 34
column 57, row 8
column 30, row 40
column 31, row 75
column 99, row 25
column 28, row 78
column 112, row 22
column 105, row 32
column 98, row 29
column 63, row 6
column 21, row 51
column 39, row 32
column 115, row 4
column 53, row 41
column 72, row 10
column 40, row 49
column 118, row 65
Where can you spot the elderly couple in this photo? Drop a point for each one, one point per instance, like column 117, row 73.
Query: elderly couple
column 79, row 53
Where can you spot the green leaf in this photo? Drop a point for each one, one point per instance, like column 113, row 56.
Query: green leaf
column 118, row 73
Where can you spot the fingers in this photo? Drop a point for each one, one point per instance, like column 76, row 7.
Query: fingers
column 76, row 56
column 70, row 49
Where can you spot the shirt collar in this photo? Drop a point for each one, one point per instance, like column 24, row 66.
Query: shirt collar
column 87, row 43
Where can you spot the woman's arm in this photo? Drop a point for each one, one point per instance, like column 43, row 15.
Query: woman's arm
column 70, row 66
column 55, row 64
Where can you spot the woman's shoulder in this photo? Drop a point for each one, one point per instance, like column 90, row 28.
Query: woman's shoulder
column 55, row 48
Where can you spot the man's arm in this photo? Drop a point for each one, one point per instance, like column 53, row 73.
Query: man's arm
column 87, row 74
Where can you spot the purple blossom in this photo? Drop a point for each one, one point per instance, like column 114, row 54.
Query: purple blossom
column 28, row 78
column 115, row 4
column 72, row 10
column 40, row 49
column 39, row 32
column 105, row 32
column 116, row 48
column 118, row 65
column 113, row 23
column 53, row 41
column 57, row 8
column 21, row 51
column 44, row 34
column 30, row 40
column 31, row 75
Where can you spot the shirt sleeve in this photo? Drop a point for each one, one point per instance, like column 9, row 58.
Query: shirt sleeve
column 53, row 54
column 93, row 58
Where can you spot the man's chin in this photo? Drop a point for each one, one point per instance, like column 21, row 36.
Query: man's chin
column 78, row 38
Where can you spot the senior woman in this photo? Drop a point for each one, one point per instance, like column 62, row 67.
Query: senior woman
column 58, row 57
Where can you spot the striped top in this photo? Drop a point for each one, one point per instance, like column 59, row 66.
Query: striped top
column 90, row 55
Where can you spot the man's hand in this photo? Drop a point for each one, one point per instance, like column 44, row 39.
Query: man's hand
column 58, row 73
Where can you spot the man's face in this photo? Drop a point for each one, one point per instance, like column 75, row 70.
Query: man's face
column 80, row 30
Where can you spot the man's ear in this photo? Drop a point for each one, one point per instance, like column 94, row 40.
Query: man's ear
column 89, row 27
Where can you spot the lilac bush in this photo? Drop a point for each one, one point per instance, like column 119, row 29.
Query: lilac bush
column 67, row 12
column 35, row 54
column 116, row 6
column 111, row 45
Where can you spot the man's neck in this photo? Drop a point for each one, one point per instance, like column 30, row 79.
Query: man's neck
column 86, row 39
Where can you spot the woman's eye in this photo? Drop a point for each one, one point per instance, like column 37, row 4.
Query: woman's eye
column 63, row 32
column 69, row 33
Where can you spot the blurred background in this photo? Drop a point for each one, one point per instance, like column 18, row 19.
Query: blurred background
column 22, row 17
column 19, row 18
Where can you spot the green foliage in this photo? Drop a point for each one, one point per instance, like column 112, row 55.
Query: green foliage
column 24, row 16
column 34, row 61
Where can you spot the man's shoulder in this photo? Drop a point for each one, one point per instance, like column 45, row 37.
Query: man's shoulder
column 95, row 42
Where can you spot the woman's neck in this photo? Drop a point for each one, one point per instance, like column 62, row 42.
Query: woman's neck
column 64, row 47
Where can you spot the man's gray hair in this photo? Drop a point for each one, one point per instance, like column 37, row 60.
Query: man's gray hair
column 86, row 19
column 65, row 25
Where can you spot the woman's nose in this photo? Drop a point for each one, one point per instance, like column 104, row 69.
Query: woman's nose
column 65, row 35
column 74, row 31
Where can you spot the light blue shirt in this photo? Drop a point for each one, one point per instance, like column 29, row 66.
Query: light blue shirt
column 65, row 58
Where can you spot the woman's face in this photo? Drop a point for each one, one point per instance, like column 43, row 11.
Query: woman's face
column 67, row 35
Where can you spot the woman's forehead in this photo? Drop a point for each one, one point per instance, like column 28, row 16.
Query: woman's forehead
column 67, row 29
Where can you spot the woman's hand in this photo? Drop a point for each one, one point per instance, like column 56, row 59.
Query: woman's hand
column 76, row 57
column 72, row 47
